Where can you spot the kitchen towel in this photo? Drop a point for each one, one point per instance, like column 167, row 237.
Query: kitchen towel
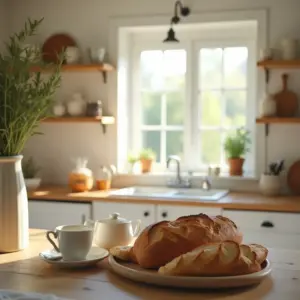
column 16, row 295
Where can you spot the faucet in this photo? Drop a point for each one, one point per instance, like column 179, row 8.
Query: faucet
column 178, row 182
column 206, row 183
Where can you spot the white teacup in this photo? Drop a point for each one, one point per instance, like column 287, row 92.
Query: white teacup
column 74, row 241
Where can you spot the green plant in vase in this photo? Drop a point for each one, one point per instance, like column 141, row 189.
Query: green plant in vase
column 236, row 147
column 146, row 157
column 132, row 160
column 25, row 99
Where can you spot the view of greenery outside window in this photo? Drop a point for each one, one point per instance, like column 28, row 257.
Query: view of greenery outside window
column 222, row 90
column 162, row 96
column 219, row 83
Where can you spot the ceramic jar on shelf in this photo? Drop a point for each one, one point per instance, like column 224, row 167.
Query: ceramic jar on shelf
column 289, row 49
column 76, row 106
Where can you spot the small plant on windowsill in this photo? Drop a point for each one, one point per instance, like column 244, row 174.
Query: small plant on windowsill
column 132, row 160
column 236, row 146
column 30, row 171
column 146, row 157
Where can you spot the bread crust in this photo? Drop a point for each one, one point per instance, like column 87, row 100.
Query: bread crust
column 160, row 243
column 214, row 259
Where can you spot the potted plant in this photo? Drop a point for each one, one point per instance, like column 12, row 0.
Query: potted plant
column 236, row 146
column 146, row 157
column 132, row 160
column 30, row 171
column 26, row 97
column 270, row 183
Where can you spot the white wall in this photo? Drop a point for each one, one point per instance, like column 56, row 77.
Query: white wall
column 88, row 21
column 3, row 22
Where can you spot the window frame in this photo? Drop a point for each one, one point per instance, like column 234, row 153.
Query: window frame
column 190, row 125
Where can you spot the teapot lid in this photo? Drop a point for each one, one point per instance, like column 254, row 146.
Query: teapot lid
column 114, row 218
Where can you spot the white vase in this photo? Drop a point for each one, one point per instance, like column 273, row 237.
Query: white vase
column 14, row 233
column 267, row 106
column 289, row 49
column 270, row 185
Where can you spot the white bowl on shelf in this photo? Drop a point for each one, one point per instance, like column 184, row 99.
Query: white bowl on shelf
column 32, row 183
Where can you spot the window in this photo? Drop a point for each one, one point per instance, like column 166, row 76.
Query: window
column 161, row 97
column 187, row 97
column 222, row 94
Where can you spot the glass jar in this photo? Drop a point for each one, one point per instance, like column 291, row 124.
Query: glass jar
column 81, row 178
column 103, row 179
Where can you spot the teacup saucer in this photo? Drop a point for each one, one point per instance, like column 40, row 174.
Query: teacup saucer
column 54, row 258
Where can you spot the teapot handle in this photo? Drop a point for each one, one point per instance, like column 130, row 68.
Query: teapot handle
column 137, row 228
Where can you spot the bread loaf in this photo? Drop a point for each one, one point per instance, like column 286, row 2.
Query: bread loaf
column 160, row 243
column 215, row 259
column 123, row 252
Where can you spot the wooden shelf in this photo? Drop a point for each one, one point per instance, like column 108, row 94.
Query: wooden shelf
column 279, row 64
column 103, row 68
column 80, row 68
column 276, row 120
column 104, row 120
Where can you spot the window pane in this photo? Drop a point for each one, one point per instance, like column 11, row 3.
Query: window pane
column 210, row 147
column 151, row 139
column 175, row 108
column 151, row 69
column 151, row 108
column 235, row 111
column 211, row 109
column 175, row 143
column 235, row 67
column 174, row 69
column 210, row 63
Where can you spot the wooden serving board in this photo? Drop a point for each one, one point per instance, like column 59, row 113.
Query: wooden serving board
column 293, row 178
column 286, row 100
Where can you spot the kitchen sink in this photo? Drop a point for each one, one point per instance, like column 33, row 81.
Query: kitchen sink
column 170, row 193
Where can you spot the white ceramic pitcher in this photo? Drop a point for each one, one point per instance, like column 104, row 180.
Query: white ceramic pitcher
column 114, row 231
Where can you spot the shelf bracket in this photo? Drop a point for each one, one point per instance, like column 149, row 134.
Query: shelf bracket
column 103, row 128
column 267, row 75
column 104, row 75
column 267, row 129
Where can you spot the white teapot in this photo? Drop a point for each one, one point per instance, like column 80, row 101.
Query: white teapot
column 114, row 231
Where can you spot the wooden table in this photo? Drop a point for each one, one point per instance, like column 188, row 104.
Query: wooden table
column 24, row 271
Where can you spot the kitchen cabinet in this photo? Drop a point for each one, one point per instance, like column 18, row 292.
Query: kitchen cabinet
column 172, row 212
column 49, row 214
column 145, row 212
column 278, row 230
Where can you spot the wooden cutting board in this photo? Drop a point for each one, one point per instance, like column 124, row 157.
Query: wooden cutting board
column 55, row 45
column 286, row 100
column 293, row 178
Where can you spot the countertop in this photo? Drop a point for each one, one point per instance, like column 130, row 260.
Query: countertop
column 239, row 201
column 24, row 271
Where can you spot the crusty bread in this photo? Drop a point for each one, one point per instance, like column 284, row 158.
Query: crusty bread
column 160, row 243
column 260, row 251
column 214, row 259
column 123, row 252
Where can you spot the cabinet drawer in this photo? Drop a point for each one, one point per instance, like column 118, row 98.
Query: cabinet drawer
column 172, row 212
column 268, row 221
column 48, row 214
column 144, row 212
column 272, row 239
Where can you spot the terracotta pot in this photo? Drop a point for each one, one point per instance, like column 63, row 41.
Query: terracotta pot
column 146, row 165
column 236, row 166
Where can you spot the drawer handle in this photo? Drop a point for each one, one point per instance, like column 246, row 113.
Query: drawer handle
column 164, row 214
column 146, row 214
column 267, row 224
